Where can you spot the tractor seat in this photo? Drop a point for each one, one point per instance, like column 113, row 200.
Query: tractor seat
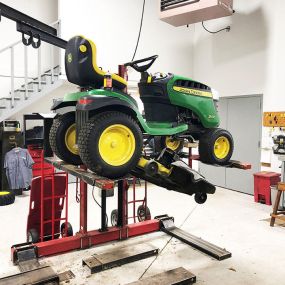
column 81, row 66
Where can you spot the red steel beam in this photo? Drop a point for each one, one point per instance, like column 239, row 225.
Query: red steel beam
column 95, row 237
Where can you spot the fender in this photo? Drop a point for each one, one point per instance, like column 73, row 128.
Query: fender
column 95, row 102
column 60, row 103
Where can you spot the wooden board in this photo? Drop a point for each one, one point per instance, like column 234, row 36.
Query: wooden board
column 118, row 257
column 42, row 275
column 175, row 276
column 85, row 175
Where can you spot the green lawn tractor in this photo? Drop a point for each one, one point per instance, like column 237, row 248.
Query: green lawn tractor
column 112, row 133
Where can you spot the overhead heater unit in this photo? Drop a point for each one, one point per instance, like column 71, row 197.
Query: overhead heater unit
column 185, row 12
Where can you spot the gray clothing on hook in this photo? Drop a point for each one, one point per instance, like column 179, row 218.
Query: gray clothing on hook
column 18, row 164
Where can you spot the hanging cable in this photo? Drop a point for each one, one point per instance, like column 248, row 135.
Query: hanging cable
column 139, row 35
column 228, row 28
column 77, row 196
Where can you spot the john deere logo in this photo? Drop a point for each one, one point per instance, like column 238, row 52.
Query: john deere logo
column 69, row 57
column 193, row 92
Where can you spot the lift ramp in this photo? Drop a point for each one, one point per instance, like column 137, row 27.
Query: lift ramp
column 167, row 226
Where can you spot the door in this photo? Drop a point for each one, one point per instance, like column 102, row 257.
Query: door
column 242, row 116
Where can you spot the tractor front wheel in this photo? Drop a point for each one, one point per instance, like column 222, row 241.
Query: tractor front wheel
column 216, row 147
column 62, row 139
column 110, row 144
column 161, row 142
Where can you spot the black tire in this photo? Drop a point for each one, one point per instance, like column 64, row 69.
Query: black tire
column 143, row 213
column 6, row 198
column 200, row 198
column 57, row 138
column 207, row 146
column 160, row 142
column 33, row 236
column 88, row 143
column 114, row 218
column 69, row 230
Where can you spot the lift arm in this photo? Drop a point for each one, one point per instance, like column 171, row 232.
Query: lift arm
column 33, row 31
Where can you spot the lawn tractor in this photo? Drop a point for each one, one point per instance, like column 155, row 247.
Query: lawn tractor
column 112, row 133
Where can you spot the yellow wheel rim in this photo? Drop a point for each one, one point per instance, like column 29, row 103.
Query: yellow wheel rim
column 70, row 139
column 2, row 193
column 117, row 145
column 172, row 144
column 222, row 147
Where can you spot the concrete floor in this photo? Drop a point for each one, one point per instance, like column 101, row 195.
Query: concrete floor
column 228, row 219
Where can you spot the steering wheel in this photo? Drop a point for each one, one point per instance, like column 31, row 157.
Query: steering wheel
column 142, row 68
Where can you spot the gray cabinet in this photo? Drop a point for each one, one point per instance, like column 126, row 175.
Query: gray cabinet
column 242, row 116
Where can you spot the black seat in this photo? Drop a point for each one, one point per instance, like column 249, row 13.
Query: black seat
column 81, row 66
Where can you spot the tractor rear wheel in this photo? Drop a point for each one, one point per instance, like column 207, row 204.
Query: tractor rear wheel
column 216, row 147
column 110, row 144
column 62, row 139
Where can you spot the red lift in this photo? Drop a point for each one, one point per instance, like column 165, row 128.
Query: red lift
column 85, row 238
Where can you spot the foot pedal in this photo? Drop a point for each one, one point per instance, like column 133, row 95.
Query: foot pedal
column 25, row 256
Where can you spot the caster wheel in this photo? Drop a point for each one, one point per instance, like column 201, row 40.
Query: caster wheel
column 69, row 232
column 114, row 218
column 151, row 168
column 143, row 213
column 33, row 236
column 200, row 198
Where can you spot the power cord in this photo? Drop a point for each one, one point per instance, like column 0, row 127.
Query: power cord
column 107, row 220
column 139, row 35
column 77, row 196
column 167, row 243
column 228, row 28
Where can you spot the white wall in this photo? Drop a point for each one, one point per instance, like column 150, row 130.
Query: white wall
column 43, row 10
column 248, row 60
column 113, row 25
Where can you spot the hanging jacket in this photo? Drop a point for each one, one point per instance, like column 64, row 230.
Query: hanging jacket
column 18, row 164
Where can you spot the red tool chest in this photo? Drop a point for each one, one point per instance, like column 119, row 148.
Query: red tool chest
column 262, row 182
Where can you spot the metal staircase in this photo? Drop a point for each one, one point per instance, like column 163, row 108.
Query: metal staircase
column 35, row 87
